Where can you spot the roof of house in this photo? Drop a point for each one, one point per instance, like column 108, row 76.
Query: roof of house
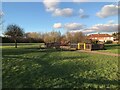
column 99, row 35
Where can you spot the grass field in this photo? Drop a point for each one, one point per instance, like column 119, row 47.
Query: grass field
column 30, row 67
column 112, row 48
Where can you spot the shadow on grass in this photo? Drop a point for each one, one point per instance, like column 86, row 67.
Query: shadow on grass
column 49, row 69
column 112, row 46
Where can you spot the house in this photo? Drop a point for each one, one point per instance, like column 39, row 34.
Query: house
column 101, row 37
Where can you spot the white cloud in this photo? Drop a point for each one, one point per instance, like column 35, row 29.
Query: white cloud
column 82, row 14
column 1, row 13
column 77, row 27
column 102, row 28
column 74, row 26
column 81, row 11
column 108, row 10
column 111, row 22
column 87, row 31
column 57, row 25
column 63, row 12
column 52, row 6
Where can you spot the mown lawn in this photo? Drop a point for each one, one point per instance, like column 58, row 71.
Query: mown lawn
column 31, row 67
column 112, row 48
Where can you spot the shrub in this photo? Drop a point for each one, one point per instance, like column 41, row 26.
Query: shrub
column 95, row 42
column 22, row 40
column 109, row 42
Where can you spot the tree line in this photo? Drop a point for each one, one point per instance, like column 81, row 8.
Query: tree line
column 15, row 34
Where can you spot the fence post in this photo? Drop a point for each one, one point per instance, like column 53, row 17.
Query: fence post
column 84, row 46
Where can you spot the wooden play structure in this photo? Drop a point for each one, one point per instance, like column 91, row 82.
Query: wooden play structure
column 53, row 45
column 87, row 46
column 75, row 46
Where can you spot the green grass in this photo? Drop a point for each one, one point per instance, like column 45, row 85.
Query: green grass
column 30, row 67
column 111, row 48
column 21, row 45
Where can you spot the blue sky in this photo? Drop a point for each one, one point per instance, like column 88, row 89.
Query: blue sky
column 33, row 16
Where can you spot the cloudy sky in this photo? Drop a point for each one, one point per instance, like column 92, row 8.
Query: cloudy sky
column 88, row 17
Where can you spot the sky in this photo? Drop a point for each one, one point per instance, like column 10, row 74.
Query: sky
column 88, row 17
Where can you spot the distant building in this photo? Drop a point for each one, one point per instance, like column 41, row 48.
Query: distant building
column 101, row 37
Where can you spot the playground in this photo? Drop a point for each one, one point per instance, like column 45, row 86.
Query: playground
column 76, row 46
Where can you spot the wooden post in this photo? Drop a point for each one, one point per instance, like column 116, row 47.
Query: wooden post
column 90, row 47
column 78, row 46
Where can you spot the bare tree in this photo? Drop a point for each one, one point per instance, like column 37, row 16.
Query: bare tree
column 52, row 36
column 14, row 32
column 79, row 37
column 75, row 37
column 34, row 35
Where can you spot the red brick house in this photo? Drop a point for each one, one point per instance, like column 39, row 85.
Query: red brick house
column 101, row 37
